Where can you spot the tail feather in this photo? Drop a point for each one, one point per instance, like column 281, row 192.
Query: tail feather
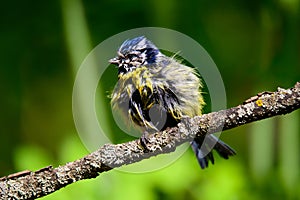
column 204, row 153
column 224, row 150
column 203, row 156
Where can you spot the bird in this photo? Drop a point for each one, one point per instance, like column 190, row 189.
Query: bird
column 154, row 92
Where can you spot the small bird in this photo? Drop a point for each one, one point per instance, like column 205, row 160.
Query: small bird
column 155, row 91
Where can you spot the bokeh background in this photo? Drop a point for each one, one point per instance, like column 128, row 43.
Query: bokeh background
column 255, row 44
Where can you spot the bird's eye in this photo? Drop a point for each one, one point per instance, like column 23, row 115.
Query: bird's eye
column 131, row 56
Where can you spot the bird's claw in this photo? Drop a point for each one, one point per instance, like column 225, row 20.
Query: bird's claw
column 143, row 141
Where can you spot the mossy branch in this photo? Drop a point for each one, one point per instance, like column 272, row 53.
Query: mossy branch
column 31, row 185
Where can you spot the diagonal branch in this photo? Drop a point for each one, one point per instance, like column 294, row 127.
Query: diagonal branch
column 31, row 185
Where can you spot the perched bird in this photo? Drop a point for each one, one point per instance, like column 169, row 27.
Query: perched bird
column 154, row 91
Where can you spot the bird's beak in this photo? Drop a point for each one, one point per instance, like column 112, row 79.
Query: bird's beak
column 114, row 61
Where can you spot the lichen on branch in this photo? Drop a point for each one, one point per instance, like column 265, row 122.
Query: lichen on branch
column 31, row 185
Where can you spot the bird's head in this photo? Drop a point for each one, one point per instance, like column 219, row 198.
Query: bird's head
column 135, row 53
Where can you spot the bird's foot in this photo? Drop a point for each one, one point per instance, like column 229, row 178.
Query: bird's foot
column 143, row 141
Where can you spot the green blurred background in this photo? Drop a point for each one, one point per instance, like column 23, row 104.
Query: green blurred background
column 255, row 44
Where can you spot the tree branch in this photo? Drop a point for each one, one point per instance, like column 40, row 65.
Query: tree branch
column 31, row 185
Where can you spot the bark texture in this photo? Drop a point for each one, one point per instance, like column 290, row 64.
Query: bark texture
column 31, row 185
